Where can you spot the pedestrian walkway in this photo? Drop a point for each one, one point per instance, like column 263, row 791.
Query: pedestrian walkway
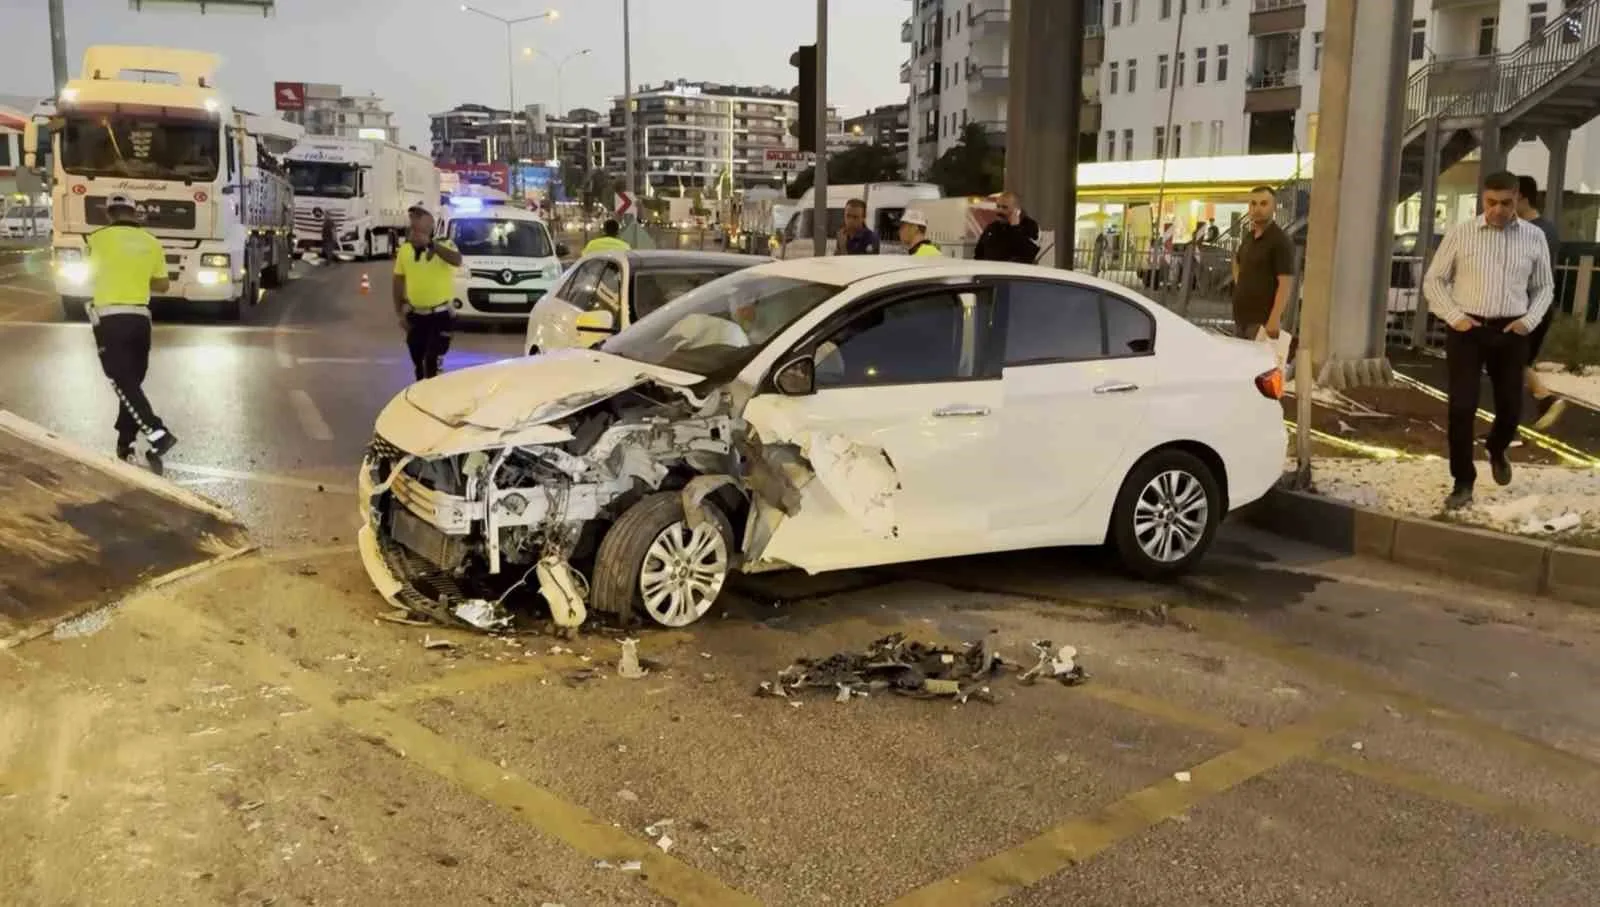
column 79, row 531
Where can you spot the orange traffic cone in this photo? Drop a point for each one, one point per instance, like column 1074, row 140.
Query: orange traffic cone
column 366, row 285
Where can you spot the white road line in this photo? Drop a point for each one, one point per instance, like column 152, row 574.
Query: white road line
column 338, row 360
column 19, row 288
column 305, row 409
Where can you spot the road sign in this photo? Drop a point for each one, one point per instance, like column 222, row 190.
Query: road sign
column 624, row 203
column 787, row 159
column 290, row 95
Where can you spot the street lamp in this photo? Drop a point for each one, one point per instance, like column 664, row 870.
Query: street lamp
column 561, row 64
column 511, row 72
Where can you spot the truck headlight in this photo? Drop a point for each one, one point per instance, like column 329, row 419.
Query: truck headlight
column 75, row 273
column 210, row 278
column 216, row 260
column 65, row 255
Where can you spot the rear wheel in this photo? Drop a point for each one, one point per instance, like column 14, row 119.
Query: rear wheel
column 1166, row 514
column 652, row 563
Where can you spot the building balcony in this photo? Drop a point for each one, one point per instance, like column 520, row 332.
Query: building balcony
column 1272, row 90
column 1272, row 16
column 986, row 24
column 987, row 79
column 905, row 73
column 906, row 34
column 1094, row 47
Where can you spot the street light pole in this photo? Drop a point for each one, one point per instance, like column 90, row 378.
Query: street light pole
column 819, row 184
column 58, row 44
column 560, row 109
column 511, row 62
column 627, row 95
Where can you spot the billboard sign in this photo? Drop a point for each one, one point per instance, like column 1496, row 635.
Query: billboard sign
column 494, row 176
column 289, row 95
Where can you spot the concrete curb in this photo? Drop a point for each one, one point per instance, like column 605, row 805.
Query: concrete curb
column 1490, row 559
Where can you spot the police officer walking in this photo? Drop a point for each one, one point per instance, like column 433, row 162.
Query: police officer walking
column 608, row 240
column 914, row 234
column 127, row 264
column 424, row 285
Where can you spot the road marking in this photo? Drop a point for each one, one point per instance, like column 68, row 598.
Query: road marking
column 168, row 327
column 341, row 360
column 22, row 289
column 535, row 805
column 311, row 421
column 264, row 478
column 1080, row 840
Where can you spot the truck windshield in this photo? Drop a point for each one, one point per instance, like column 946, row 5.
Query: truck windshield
column 141, row 147
column 511, row 238
column 323, row 180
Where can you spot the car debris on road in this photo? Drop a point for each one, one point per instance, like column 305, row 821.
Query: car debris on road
column 904, row 667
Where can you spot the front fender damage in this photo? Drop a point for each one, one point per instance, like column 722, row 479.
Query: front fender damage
column 463, row 533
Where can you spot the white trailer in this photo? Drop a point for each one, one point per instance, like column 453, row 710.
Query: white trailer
column 150, row 123
column 365, row 186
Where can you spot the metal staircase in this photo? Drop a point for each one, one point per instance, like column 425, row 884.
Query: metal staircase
column 1552, row 82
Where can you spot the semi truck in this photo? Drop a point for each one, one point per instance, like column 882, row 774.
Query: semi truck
column 365, row 186
column 150, row 123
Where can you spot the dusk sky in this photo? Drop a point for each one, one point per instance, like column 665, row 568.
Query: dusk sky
column 425, row 56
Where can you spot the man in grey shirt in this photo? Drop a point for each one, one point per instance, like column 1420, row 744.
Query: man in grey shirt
column 1490, row 282
column 1549, row 406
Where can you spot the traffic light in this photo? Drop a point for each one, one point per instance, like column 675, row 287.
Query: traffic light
column 804, row 126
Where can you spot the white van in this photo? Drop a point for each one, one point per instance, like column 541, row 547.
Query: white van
column 508, row 259
column 885, row 203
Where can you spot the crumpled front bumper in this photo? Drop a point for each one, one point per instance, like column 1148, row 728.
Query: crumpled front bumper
column 377, row 566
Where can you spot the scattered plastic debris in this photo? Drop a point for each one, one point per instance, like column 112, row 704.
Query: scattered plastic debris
column 896, row 665
column 428, row 642
column 628, row 866
column 665, row 843
column 84, row 625
column 629, row 665
column 1183, row 777
column 627, row 796
column 1358, row 746
column 401, row 617
column 1059, row 665
column 658, row 827
column 483, row 614
column 1567, row 521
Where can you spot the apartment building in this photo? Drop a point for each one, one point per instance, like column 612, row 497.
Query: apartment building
column 889, row 126
column 958, row 73
column 324, row 109
column 702, row 135
column 478, row 134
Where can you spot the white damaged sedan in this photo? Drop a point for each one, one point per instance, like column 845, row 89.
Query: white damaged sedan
column 820, row 414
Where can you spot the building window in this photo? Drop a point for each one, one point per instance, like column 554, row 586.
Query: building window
column 1486, row 34
column 1177, row 141
column 1538, row 19
column 1197, row 134
column 1166, row 10
column 1133, row 76
column 1163, row 65
column 1116, row 13
column 1161, row 142
column 1419, row 38
column 1222, row 62
column 1111, row 144
column 1127, row 144
column 1180, row 69
column 1133, row 11
column 1216, row 137
column 1111, row 78
column 1316, row 51
column 1199, row 66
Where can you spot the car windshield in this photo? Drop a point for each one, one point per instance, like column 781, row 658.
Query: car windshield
column 719, row 327
column 323, row 180
column 141, row 147
column 511, row 238
column 654, row 289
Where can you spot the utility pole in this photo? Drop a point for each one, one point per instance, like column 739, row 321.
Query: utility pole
column 58, row 43
column 627, row 101
column 1047, row 56
column 819, row 204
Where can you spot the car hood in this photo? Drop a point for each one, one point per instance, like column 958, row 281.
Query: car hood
column 534, row 390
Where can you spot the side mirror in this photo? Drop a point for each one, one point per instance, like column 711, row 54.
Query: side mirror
column 797, row 378
column 562, row 250
column 598, row 320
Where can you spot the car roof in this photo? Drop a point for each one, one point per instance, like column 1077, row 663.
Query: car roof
column 841, row 270
column 677, row 258
column 497, row 212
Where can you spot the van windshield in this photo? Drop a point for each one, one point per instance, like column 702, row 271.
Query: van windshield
column 507, row 238
column 802, row 222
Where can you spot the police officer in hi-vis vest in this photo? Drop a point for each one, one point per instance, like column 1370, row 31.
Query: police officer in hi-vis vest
column 424, row 286
column 914, row 234
column 127, row 264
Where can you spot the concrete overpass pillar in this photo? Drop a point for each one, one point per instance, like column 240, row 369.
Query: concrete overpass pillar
column 1351, row 237
column 1042, row 131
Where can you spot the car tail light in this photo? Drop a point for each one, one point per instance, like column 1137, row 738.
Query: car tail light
column 1270, row 384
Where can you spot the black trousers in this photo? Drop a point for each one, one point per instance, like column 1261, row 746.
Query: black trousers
column 428, row 339
column 124, row 344
column 1468, row 355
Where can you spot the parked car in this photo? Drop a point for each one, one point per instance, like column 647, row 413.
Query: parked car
column 820, row 414
column 603, row 293
column 24, row 222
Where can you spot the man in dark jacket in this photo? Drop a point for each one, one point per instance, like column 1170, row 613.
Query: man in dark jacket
column 1013, row 236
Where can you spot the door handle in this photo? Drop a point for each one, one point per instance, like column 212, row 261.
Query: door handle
column 1116, row 387
column 961, row 410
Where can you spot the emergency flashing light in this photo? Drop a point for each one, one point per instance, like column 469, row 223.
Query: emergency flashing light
column 466, row 203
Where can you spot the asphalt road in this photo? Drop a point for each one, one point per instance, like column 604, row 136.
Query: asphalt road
column 1287, row 728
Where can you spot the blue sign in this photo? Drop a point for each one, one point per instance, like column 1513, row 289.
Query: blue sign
column 532, row 179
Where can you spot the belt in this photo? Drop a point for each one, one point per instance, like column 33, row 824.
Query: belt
column 1498, row 322
column 121, row 308
column 442, row 308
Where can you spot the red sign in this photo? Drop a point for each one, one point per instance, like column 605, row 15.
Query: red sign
column 495, row 176
column 289, row 95
column 624, row 202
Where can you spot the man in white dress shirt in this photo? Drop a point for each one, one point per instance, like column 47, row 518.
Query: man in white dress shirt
column 1490, row 281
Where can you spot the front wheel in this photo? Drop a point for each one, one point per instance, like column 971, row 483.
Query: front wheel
column 653, row 563
column 1166, row 514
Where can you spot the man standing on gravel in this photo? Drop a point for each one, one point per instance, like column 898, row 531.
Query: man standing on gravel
column 1490, row 282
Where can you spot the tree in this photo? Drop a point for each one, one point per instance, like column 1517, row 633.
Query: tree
column 869, row 163
column 975, row 165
